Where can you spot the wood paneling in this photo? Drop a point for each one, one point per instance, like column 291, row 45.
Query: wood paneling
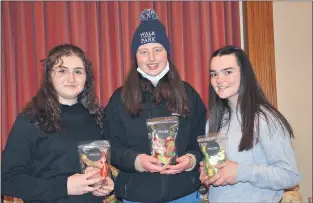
column 259, row 44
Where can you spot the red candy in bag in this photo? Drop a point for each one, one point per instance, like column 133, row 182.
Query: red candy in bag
column 162, row 135
column 95, row 154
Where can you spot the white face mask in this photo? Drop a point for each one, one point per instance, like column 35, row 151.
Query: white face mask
column 155, row 79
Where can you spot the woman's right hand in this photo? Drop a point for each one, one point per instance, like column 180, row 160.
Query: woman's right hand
column 150, row 164
column 79, row 184
column 203, row 176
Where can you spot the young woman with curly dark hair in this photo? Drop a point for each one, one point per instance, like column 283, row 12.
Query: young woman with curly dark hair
column 40, row 162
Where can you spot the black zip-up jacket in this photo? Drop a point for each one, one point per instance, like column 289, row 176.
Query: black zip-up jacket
column 35, row 166
column 129, row 137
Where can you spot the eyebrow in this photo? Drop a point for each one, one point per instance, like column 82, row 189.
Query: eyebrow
column 152, row 48
column 224, row 69
column 70, row 68
column 142, row 49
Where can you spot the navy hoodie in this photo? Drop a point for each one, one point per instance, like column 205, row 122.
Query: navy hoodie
column 129, row 137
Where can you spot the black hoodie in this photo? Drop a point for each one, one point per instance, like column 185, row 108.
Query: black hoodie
column 129, row 137
column 35, row 166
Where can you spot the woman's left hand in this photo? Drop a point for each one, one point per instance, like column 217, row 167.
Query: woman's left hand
column 105, row 189
column 183, row 163
column 227, row 174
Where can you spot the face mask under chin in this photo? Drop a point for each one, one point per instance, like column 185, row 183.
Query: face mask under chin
column 156, row 78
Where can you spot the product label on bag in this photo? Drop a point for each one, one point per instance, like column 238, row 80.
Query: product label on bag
column 212, row 148
column 94, row 154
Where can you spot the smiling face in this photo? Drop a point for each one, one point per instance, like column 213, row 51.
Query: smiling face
column 68, row 78
column 151, row 58
column 225, row 77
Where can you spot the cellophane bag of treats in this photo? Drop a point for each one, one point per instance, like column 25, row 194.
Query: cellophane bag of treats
column 213, row 147
column 95, row 154
column 162, row 132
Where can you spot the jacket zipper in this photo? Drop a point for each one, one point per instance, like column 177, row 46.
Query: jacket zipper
column 125, row 188
column 150, row 107
column 163, row 186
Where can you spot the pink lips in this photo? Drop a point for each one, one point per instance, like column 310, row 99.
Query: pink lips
column 152, row 66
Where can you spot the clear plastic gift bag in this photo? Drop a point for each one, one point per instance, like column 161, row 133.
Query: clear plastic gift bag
column 162, row 132
column 95, row 154
column 213, row 148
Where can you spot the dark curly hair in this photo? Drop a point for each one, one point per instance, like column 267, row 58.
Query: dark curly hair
column 44, row 107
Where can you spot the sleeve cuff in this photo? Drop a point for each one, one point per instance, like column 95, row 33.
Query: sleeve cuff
column 60, row 187
column 129, row 161
column 245, row 172
column 194, row 161
column 137, row 164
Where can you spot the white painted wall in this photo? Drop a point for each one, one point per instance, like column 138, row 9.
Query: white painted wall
column 293, row 57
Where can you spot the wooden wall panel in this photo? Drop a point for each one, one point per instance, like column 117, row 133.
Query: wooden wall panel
column 259, row 43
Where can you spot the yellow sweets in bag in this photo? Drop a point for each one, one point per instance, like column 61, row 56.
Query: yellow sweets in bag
column 213, row 148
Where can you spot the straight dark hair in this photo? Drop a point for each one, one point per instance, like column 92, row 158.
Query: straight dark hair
column 170, row 89
column 252, row 102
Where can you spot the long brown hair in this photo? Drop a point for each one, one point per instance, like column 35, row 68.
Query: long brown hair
column 44, row 107
column 170, row 89
column 251, row 101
